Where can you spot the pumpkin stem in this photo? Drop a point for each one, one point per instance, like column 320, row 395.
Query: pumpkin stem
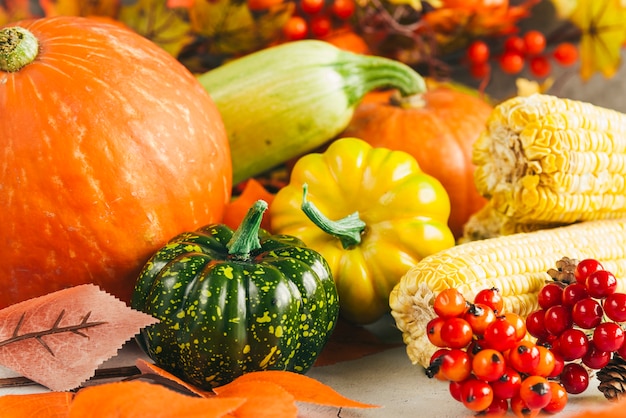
column 18, row 48
column 347, row 229
column 412, row 101
column 246, row 238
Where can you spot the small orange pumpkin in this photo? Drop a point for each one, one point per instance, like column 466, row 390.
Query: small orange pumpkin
column 438, row 128
column 110, row 147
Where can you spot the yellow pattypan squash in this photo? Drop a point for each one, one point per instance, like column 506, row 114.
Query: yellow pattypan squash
column 372, row 214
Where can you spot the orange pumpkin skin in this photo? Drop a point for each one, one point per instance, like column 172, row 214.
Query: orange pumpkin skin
column 110, row 148
column 439, row 133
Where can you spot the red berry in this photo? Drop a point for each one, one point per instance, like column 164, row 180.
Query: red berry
column 535, row 392
column 547, row 362
column 596, row 359
column 498, row 408
column 574, row 292
column 500, row 335
column 573, row 344
column 566, row 53
column 321, row 26
column 535, row 324
column 479, row 316
column 559, row 363
column 601, row 283
column 511, row 62
column 558, row 401
column 514, row 44
column 587, row 313
column 518, row 322
column 477, row 52
column 311, row 7
column 508, row 384
column 296, row 28
column 615, row 307
column 449, row 303
column 585, row 267
column 520, row 409
column 550, row 295
column 574, row 378
column 608, row 336
column 490, row 297
column 558, row 319
column 343, row 9
column 476, row 395
column 455, row 390
column 524, row 357
column 433, row 331
column 456, row 332
column 449, row 365
column 540, row 66
column 534, row 42
column 488, row 365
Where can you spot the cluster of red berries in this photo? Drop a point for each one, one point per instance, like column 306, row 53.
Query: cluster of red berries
column 486, row 357
column 317, row 18
column 579, row 321
column 517, row 51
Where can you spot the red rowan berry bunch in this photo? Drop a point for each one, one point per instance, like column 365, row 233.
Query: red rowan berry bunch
column 580, row 322
column 317, row 18
column 489, row 363
column 517, row 52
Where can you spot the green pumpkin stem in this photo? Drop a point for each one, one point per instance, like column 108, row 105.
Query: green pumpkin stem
column 348, row 230
column 18, row 48
column 246, row 238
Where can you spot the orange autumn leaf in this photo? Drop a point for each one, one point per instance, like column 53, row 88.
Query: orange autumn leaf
column 148, row 369
column 59, row 339
column 138, row 399
column 301, row 387
column 264, row 399
column 40, row 405
column 236, row 210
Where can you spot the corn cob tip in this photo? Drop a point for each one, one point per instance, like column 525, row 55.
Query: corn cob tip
column 411, row 310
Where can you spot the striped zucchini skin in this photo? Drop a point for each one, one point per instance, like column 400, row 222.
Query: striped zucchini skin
column 282, row 102
column 222, row 317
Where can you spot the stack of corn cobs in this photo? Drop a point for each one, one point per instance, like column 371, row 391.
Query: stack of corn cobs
column 554, row 172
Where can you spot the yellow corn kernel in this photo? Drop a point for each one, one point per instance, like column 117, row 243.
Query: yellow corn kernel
column 543, row 159
column 516, row 264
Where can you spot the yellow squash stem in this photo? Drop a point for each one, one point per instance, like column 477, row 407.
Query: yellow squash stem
column 348, row 230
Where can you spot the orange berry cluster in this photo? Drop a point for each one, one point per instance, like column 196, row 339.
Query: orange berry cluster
column 317, row 18
column 489, row 363
column 517, row 51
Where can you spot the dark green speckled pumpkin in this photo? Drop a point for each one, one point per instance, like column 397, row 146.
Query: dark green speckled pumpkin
column 234, row 302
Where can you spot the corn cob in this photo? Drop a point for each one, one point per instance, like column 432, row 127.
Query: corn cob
column 543, row 159
column 515, row 264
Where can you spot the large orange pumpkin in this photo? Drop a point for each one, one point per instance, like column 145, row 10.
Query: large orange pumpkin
column 438, row 128
column 110, row 147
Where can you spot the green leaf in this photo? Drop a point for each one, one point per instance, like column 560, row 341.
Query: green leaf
column 168, row 28
column 230, row 27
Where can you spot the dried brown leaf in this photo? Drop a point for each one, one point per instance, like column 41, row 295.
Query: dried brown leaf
column 58, row 340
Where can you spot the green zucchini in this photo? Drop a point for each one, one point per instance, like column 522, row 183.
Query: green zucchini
column 284, row 101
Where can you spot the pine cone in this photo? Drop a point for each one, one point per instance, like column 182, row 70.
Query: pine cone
column 564, row 271
column 612, row 378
